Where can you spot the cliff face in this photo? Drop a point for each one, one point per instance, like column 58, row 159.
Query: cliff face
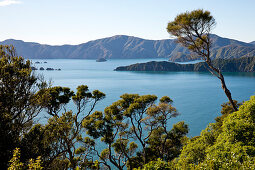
column 246, row 64
column 122, row 46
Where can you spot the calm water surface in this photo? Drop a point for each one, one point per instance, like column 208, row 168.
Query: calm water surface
column 197, row 96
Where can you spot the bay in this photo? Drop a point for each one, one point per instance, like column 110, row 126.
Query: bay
column 197, row 96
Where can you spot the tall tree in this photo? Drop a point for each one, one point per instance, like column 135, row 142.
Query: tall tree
column 193, row 31
column 63, row 133
column 136, row 121
column 18, row 102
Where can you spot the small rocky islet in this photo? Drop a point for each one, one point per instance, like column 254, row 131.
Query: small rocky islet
column 48, row 69
column 42, row 68
column 101, row 60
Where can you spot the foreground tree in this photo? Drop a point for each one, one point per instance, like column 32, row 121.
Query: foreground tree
column 16, row 164
column 18, row 101
column 227, row 144
column 23, row 95
column 193, row 31
column 63, row 133
column 136, row 121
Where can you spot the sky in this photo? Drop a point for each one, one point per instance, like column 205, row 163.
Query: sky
column 58, row 22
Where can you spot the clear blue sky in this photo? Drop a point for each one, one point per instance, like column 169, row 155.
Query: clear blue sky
column 60, row 22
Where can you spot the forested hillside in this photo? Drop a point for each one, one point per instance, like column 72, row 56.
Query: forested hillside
column 245, row 64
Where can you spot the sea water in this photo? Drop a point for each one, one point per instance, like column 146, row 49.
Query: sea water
column 197, row 96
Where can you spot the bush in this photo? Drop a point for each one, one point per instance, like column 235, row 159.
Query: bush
column 230, row 146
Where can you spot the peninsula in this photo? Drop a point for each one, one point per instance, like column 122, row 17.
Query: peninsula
column 245, row 64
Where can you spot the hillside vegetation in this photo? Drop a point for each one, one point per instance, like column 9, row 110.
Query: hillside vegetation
column 245, row 64
column 227, row 144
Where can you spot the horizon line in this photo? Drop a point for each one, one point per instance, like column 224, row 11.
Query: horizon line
column 49, row 44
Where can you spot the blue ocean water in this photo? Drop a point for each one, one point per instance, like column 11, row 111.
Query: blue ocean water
column 197, row 96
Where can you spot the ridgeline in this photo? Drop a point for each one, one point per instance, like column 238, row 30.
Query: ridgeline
column 126, row 47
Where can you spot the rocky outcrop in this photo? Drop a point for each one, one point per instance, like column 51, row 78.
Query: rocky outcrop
column 101, row 60
column 49, row 69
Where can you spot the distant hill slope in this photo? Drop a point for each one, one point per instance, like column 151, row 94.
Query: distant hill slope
column 253, row 42
column 121, row 46
column 245, row 64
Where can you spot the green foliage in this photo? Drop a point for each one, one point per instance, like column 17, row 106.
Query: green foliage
column 136, row 120
column 16, row 164
column 227, row 109
column 56, row 98
column 35, row 164
column 23, row 95
column 63, row 133
column 65, row 138
column 193, row 31
column 226, row 144
column 156, row 165
column 33, row 145
column 18, row 101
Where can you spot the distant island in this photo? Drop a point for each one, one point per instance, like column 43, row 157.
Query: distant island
column 129, row 47
column 37, row 62
column 48, row 69
column 101, row 60
column 245, row 64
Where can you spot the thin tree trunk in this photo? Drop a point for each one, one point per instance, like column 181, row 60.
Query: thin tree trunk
column 227, row 92
column 219, row 75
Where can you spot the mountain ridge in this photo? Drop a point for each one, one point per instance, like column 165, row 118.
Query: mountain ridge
column 124, row 46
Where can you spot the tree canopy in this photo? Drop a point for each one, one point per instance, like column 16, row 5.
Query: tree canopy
column 192, row 30
column 134, row 121
column 18, row 100
column 134, row 129
column 227, row 144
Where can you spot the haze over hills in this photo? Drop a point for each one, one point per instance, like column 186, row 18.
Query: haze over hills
column 122, row 46
column 253, row 42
